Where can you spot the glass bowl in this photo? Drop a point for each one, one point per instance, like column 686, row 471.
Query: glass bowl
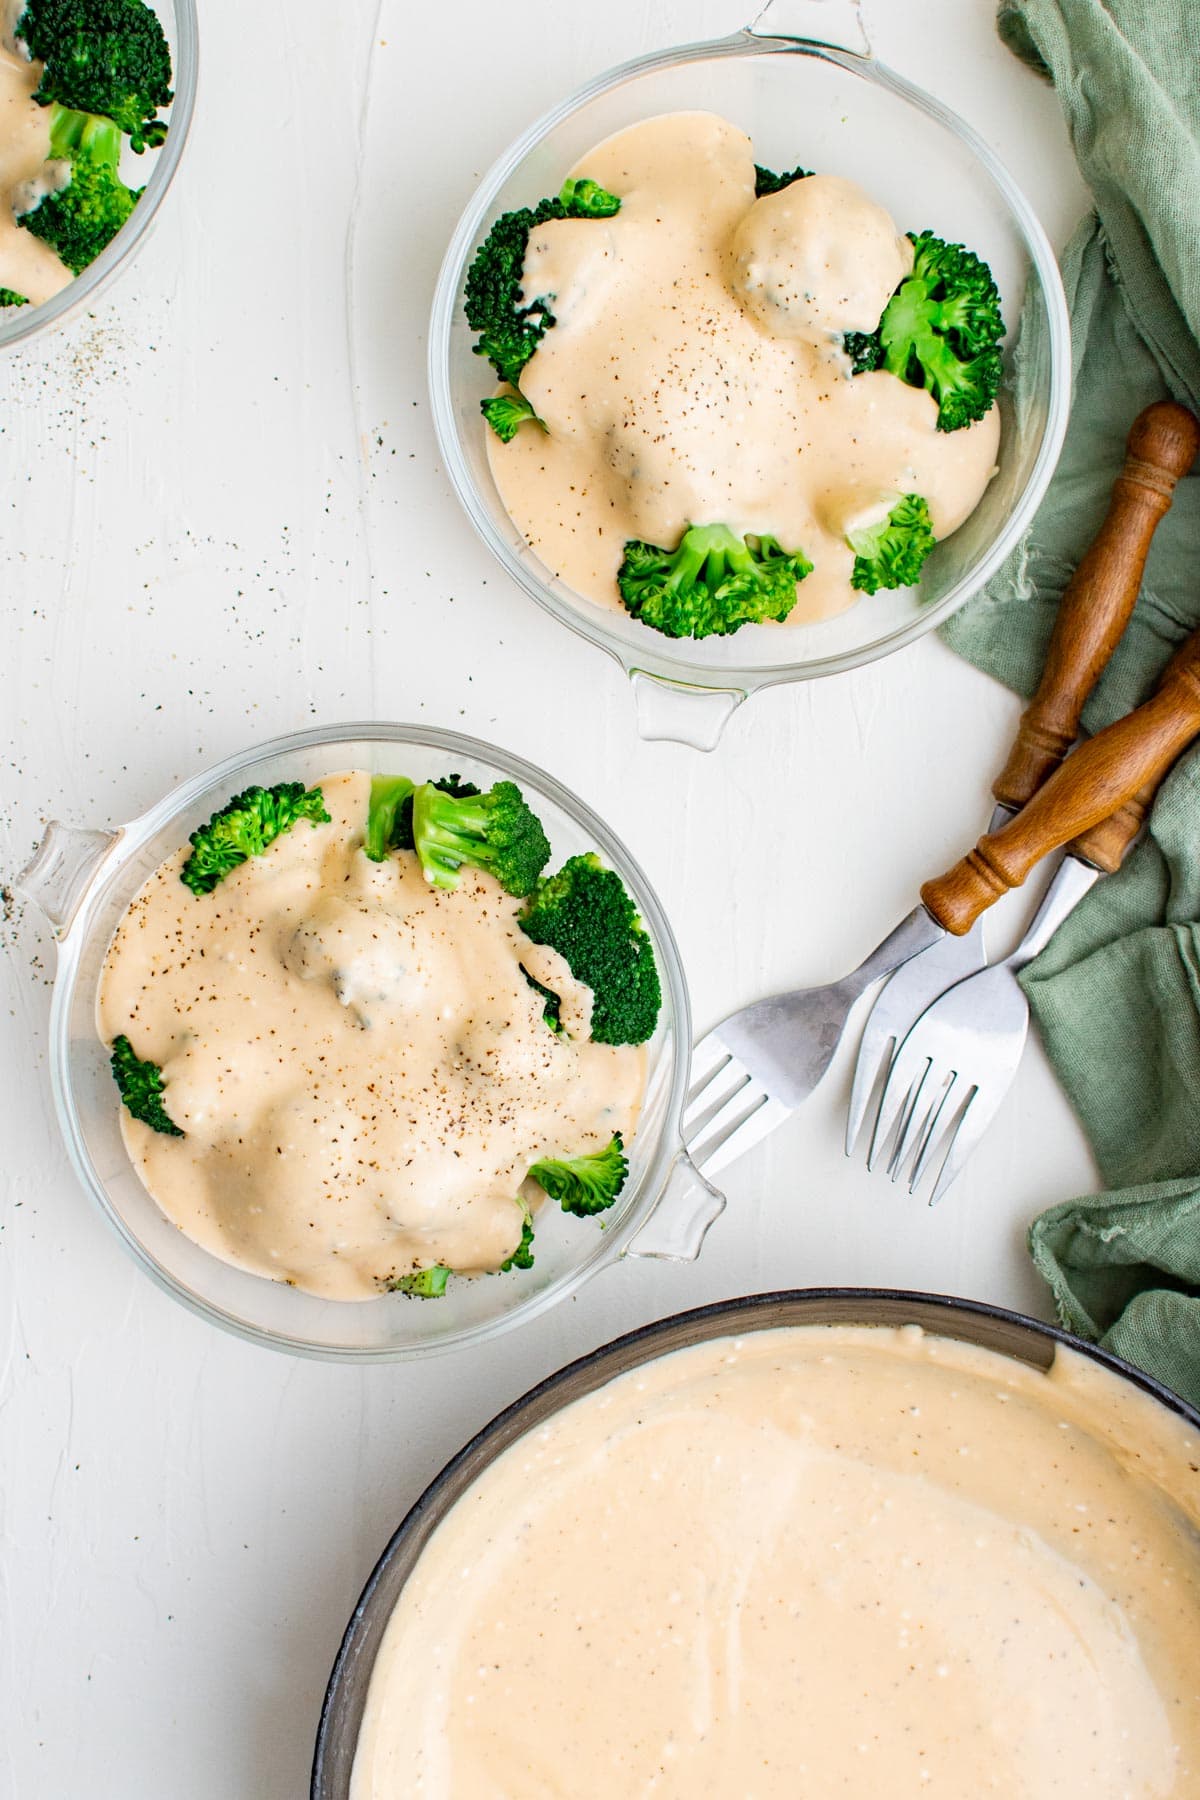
column 839, row 110
column 84, row 880
column 155, row 167
column 990, row 1327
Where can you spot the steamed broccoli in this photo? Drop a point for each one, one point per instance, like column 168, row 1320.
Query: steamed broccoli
column 9, row 298
column 506, row 413
column 940, row 330
column 522, row 1256
column 385, row 814
column 584, row 1184
column 766, row 182
column 390, row 811
column 141, row 1087
column 105, row 57
column 495, row 831
column 585, row 914
column 890, row 554
column 509, row 326
column 80, row 220
column 864, row 350
column 426, row 1284
column 245, row 827
column 552, row 1009
column 712, row 583
column 586, row 199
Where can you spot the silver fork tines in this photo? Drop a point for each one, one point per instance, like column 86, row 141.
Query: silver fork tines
column 725, row 1103
column 759, row 1064
column 900, row 1003
column 958, row 1061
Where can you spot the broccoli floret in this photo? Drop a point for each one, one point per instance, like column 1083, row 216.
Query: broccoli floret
column 510, row 328
column 766, row 182
column 584, row 1184
column 864, row 350
column 245, row 827
column 522, row 1256
column 141, row 1086
column 107, row 57
column 9, row 298
column 495, row 831
column 506, row 413
column 426, row 1284
column 713, row 583
column 552, row 1009
column 396, row 830
column 80, row 220
column 890, row 554
column 941, row 330
column 389, row 794
column 585, row 914
column 584, row 199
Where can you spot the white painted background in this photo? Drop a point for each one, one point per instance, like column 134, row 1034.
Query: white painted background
column 203, row 543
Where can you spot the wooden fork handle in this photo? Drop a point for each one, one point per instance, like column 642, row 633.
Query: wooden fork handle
column 1100, row 596
column 1104, row 846
column 1105, row 774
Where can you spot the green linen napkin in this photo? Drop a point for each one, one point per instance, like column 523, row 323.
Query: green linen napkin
column 1116, row 995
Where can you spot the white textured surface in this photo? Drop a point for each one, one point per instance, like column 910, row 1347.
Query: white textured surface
column 200, row 549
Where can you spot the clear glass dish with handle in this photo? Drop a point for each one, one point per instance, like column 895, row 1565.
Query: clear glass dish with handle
column 84, row 880
column 993, row 1328
column 155, row 168
column 825, row 101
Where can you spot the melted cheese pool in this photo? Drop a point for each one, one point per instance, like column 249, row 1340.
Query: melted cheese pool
column 819, row 1562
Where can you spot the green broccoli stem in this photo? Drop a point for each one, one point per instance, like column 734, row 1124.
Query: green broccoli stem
column 388, row 795
column 73, row 131
column 450, row 832
column 425, row 1284
column 714, row 549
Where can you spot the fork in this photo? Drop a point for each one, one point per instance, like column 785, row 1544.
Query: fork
column 958, row 1060
column 759, row 1064
column 1092, row 615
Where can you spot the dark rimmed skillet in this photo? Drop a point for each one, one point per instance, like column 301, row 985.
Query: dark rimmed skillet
column 991, row 1327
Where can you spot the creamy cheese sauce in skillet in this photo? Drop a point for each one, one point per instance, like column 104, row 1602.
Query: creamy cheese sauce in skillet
column 693, row 377
column 362, row 1073
column 828, row 1561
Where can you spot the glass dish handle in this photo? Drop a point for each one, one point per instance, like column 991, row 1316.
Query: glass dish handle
column 61, row 870
column 681, row 712
column 676, row 1229
column 839, row 24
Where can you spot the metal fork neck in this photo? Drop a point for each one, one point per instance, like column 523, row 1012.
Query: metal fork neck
column 915, row 933
column 1072, row 880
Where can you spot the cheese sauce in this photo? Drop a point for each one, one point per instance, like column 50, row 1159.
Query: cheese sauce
column 361, row 1070
column 693, row 375
column 821, row 1561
